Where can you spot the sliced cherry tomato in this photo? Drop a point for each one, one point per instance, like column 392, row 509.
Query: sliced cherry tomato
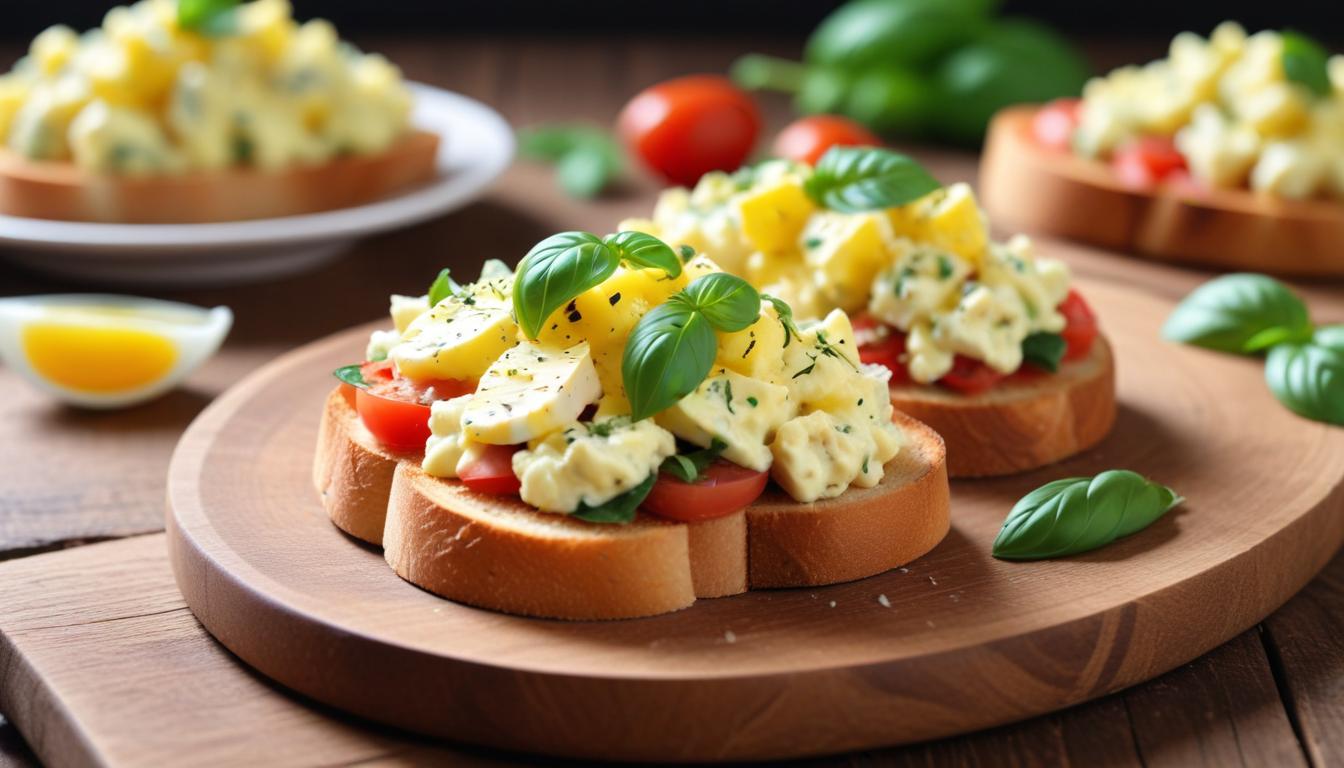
column 888, row 348
column 397, row 422
column 685, row 127
column 723, row 489
column 492, row 471
column 1147, row 160
column 1080, row 326
column 1054, row 124
column 807, row 139
column 970, row 376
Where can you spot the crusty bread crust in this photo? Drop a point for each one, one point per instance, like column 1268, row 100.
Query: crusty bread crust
column 502, row 554
column 351, row 471
column 1034, row 189
column 863, row 532
column 61, row 191
column 1020, row 425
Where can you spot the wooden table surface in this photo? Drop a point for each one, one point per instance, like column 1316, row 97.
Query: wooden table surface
column 1274, row 695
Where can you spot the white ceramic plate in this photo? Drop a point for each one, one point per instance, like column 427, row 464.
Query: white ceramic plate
column 477, row 146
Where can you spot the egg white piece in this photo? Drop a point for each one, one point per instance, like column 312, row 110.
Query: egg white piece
column 193, row 334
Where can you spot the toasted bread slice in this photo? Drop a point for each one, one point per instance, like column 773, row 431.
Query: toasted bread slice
column 862, row 532
column 502, row 554
column 1020, row 424
column 61, row 191
column 1029, row 187
column 351, row 471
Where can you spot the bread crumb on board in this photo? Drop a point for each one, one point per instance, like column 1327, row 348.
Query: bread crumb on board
column 883, row 601
column 729, row 636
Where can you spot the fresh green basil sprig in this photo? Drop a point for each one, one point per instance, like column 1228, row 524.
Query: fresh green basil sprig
column 587, row 160
column 1249, row 314
column 672, row 348
column 1078, row 514
column 857, row 179
column 688, row 467
column 1305, row 62
column 1240, row 313
column 352, row 375
column 620, row 509
column 1308, row 378
column 565, row 265
column 1044, row 350
column 443, row 286
column 213, row 18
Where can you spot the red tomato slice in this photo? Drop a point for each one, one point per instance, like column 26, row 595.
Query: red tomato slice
column 398, row 423
column 1080, row 326
column 1147, row 160
column 1054, row 124
column 492, row 472
column 886, row 351
column 807, row 139
column 685, row 127
column 970, row 376
column 723, row 489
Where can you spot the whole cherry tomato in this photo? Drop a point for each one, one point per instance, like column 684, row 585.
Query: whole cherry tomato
column 805, row 140
column 685, row 127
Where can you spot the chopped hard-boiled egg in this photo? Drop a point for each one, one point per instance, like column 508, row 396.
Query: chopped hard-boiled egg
column 531, row 390
column 107, row 351
column 590, row 463
column 459, row 338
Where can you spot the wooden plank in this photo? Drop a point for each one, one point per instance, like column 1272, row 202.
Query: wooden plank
column 1306, row 645
column 1222, row 709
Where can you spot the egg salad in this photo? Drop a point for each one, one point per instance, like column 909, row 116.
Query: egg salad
column 1264, row 111
column 933, row 295
column 659, row 376
column 143, row 94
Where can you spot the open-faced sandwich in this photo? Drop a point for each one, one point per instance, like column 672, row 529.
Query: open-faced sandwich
column 617, row 430
column 198, row 111
column 1229, row 152
column 986, row 341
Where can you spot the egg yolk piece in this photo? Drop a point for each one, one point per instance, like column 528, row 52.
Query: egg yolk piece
column 97, row 359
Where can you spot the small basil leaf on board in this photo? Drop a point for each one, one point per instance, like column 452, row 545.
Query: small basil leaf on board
column 213, row 18
column 555, row 271
column 1078, row 514
column 1239, row 313
column 667, row 355
column 619, row 510
column 585, row 172
column 644, row 251
column 442, row 287
column 586, row 159
column 1309, row 378
column 857, row 179
column 351, row 374
column 687, row 467
column 1044, row 350
column 728, row 302
column 1305, row 62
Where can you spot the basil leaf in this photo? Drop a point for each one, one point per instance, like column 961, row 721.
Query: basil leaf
column 1306, row 63
column 857, row 179
column 351, row 374
column 586, row 159
column 555, row 271
column 619, row 510
column 688, row 467
column 1044, row 350
column 213, row 18
column 667, row 355
column 1330, row 337
column 1309, row 378
column 1240, row 313
column 727, row 301
column 442, row 287
column 644, row 251
column 585, row 172
column 1078, row 514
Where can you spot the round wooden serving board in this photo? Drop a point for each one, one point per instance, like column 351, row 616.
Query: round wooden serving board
column 1029, row 187
column 955, row 642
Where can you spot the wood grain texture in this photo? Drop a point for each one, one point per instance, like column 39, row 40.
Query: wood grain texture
column 775, row 673
column 116, row 672
column 1038, row 190
column 1020, row 424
